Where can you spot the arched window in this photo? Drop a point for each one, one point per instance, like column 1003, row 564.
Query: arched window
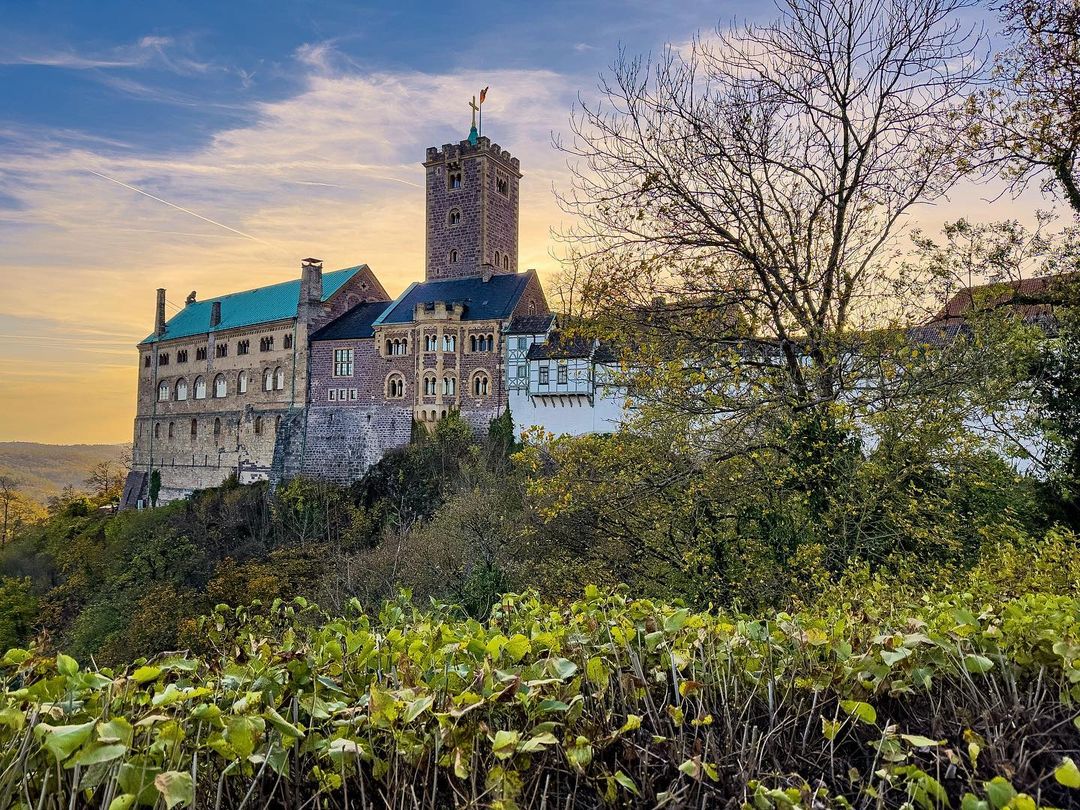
column 491, row 343
column 287, row 342
column 163, row 391
column 172, row 429
column 194, row 428
column 200, row 388
column 453, row 180
column 481, row 384
column 217, row 427
column 454, row 217
column 497, row 262
column 429, row 386
column 279, row 378
column 449, row 386
column 181, row 390
column 258, row 425
column 453, row 257
column 431, row 343
column 277, row 424
column 449, row 343
column 241, row 382
column 472, row 343
column 268, row 380
column 221, row 388
column 389, row 348
column 157, row 430
column 395, row 386
column 506, row 261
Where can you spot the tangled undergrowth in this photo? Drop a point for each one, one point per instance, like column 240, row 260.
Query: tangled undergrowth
column 880, row 700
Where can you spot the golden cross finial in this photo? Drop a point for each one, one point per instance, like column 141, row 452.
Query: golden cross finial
column 475, row 107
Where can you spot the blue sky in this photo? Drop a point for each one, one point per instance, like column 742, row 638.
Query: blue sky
column 211, row 145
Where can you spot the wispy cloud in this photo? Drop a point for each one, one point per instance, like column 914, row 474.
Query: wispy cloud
column 333, row 171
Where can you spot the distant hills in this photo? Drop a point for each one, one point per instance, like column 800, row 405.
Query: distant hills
column 43, row 470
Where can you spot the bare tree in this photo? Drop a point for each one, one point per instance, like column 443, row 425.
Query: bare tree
column 756, row 182
column 106, row 479
column 1027, row 124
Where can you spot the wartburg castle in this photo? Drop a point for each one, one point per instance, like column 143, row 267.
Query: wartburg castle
column 322, row 375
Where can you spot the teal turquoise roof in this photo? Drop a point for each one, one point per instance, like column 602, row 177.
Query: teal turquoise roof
column 249, row 308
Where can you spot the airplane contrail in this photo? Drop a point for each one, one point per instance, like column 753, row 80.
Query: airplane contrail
column 185, row 210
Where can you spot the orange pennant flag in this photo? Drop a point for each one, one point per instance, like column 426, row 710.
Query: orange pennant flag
column 483, row 95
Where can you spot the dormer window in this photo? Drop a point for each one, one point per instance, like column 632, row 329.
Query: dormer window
column 454, row 217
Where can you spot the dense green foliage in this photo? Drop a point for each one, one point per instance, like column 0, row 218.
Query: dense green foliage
column 873, row 696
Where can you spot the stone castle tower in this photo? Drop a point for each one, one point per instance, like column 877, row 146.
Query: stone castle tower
column 472, row 210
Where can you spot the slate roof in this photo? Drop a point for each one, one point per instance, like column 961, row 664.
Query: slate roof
column 576, row 347
column 530, row 324
column 356, row 323
column 483, row 300
column 261, row 305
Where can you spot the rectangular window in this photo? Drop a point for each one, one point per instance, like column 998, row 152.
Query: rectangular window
column 521, row 344
column 332, row 394
column 521, row 371
column 562, row 373
column 544, row 374
column 352, row 394
column 342, row 393
column 343, row 362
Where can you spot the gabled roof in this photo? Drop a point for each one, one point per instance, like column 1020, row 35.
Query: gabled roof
column 482, row 300
column 262, row 305
column 356, row 323
column 1033, row 299
column 530, row 324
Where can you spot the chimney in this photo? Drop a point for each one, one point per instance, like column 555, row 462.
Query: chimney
column 311, row 281
column 159, row 317
column 215, row 313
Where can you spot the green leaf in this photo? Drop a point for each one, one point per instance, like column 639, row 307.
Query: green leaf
column 1000, row 792
column 1067, row 773
column 418, row 707
column 281, row 725
column 626, row 782
column 595, row 671
column 517, row 647
column 100, row 753
column 676, row 620
column 891, row 657
column 978, row 664
column 117, row 730
column 16, row 656
column 145, row 674
column 176, row 787
column 918, row 741
column 562, row 667
column 538, row 743
column 830, row 728
column 863, row 712
column 63, row 740
column 122, row 802
column 505, row 744
column 66, row 665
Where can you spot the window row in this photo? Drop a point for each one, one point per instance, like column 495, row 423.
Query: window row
column 266, row 344
column 502, row 260
column 561, row 373
column 342, row 394
column 396, row 347
column 258, row 426
column 431, row 343
column 272, row 380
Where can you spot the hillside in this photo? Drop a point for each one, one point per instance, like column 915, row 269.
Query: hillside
column 43, row 470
